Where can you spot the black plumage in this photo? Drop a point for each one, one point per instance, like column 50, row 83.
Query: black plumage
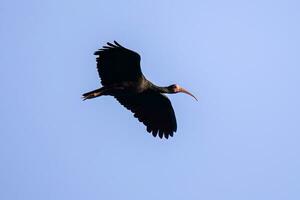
column 121, row 76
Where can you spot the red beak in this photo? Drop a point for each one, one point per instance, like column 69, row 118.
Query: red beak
column 186, row 92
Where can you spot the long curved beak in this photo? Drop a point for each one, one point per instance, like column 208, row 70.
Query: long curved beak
column 186, row 92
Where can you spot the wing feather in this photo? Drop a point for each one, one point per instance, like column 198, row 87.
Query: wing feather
column 153, row 109
column 116, row 64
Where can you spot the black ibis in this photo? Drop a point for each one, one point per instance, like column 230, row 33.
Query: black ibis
column 121, row 76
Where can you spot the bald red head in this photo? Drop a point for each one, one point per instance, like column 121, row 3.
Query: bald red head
column 177, row 89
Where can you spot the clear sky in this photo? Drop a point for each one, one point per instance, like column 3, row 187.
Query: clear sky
column 239, row 141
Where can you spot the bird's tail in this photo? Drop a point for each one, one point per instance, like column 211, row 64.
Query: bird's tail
column 92, row 94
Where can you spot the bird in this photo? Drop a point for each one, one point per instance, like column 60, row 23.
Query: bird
column 121, row 77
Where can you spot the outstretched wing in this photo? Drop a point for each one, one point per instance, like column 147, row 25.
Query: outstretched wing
column 153, row 109
column 117, row 64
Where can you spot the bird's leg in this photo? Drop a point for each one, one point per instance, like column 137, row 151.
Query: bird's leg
column 93, row 94
column 107, row 90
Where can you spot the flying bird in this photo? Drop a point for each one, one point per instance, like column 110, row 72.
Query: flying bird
column 121, row 76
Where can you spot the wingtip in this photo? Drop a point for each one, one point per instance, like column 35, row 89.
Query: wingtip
column 110, row 44
column 161, row 135
column 117, row 43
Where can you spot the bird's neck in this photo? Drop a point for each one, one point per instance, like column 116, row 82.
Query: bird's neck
column 160, row 89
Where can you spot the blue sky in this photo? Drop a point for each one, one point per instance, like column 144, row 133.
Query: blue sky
column 240, row 141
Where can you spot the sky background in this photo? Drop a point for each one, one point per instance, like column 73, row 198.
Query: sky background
column 239, row 141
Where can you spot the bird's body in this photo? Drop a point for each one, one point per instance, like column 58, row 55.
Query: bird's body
column 121, row 77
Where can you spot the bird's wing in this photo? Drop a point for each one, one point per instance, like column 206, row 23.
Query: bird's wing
column 153, row 109
column 117, row 64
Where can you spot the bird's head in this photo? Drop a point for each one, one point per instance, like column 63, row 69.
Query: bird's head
column 175, row 88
